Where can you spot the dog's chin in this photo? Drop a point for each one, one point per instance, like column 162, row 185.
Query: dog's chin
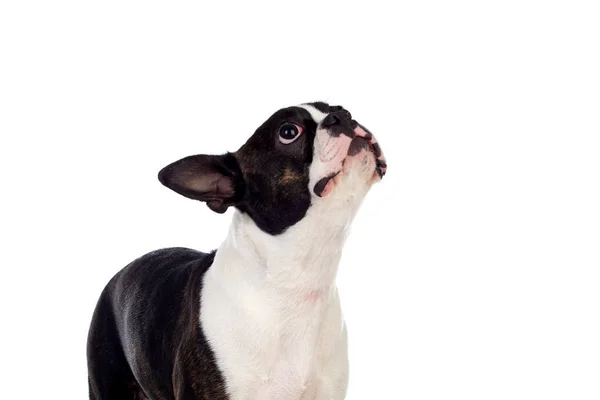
column 361, row 157
column 359, row 170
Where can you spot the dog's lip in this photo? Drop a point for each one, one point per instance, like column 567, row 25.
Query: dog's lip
column 359, row 143
column 320, row 186
column 380, row 162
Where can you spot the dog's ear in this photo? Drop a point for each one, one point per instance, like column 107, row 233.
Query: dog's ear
column 216, row 180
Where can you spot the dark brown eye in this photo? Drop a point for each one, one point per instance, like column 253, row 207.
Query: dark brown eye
column 289, row 132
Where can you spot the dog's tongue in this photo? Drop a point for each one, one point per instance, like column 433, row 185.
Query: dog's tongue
column 380, row 163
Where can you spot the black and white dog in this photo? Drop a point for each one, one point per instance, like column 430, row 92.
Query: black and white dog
column 260, row 317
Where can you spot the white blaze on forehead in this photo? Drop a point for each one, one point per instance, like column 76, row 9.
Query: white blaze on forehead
column 329, row 151
column 317, row 115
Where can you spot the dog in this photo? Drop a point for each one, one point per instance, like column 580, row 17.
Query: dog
column 260, row 317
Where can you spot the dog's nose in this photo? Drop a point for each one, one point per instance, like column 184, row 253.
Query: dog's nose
column 336, row 118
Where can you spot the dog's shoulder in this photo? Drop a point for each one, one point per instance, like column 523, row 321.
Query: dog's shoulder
column 156, row 303
column 160, row 269
column 159, row 281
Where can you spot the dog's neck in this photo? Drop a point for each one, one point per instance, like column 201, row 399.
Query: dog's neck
column 302, row 260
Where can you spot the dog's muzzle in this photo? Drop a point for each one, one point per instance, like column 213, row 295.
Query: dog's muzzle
column 341, row 123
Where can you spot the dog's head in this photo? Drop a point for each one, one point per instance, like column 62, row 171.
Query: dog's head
column 310, row 155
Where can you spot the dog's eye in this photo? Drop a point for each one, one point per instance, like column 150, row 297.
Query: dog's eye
column 289, row 132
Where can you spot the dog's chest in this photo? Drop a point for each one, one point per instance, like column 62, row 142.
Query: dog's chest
column 271, row 345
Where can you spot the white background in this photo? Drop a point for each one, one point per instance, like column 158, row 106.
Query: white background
column 473, row 269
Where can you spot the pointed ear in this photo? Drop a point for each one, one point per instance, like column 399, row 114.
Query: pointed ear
column 216, row 180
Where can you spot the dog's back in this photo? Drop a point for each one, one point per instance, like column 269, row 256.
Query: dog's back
column 146, row 328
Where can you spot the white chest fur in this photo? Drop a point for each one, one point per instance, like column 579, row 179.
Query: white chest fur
column 271, row 311
column 268, row 351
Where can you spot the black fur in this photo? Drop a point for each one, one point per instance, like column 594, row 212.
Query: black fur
column 145, row 340
column 276, row 175
column 266, row 179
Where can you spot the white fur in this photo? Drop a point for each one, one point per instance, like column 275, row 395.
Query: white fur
column 270, row 308
column 317, row 115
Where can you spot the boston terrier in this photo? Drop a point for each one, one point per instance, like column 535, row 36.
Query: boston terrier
column 260, row 317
